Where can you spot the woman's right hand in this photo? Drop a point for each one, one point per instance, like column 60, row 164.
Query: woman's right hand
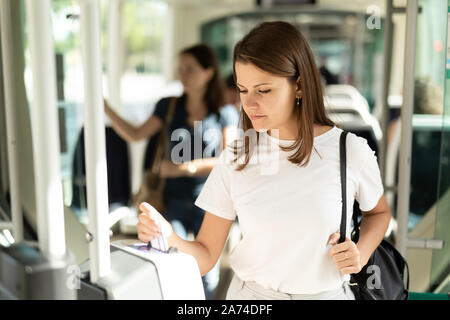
column 152, row 224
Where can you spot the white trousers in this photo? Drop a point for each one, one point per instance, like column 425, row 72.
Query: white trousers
column 249, row 290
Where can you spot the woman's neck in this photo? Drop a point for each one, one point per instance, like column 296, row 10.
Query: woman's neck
column 286, row 133
column 195, row 101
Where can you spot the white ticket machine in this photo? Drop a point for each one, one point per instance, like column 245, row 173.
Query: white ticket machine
column 139, row 271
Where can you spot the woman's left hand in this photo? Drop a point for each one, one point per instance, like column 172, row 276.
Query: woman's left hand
column 346, row 255
column 170, row 170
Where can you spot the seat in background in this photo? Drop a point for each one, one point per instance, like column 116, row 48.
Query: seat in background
column 118, row 170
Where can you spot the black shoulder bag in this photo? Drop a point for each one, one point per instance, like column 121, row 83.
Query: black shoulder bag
column 386, row 274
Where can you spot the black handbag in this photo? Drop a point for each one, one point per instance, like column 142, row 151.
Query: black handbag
column 386, row 274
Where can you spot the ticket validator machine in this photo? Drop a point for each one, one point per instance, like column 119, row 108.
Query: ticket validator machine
column 139, row 272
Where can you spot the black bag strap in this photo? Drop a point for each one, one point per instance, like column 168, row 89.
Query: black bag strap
column 343, row 164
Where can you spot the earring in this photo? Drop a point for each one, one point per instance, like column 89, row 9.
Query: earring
column 298, row 102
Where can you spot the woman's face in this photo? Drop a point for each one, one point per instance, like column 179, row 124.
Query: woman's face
column 267, row 99
column 192, row 75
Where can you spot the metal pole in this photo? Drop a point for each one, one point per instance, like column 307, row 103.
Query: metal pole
column 11, row 118
column 96, row 174
column 406, row 133
column 359, row 49
column 49, row 195
column 114, row 54
column 386, row 86
column 167, row 48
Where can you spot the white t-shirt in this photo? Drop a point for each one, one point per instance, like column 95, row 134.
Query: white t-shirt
column 286, row 212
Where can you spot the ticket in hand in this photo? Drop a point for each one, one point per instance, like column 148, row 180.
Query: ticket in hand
column 159, row 243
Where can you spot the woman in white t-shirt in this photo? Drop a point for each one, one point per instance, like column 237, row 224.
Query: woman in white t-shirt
column 281, row 179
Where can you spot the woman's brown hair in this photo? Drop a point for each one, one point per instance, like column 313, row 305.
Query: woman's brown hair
column 214, row 96
column 279, row 48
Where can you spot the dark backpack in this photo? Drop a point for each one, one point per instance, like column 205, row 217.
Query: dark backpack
column 386, row 274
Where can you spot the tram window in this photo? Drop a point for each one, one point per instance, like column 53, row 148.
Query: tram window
column 426, row 146
column 425, row 158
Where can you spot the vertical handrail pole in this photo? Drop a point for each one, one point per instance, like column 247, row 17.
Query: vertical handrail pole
column 406, row 130
column 96, row 173
column 388, row 29
column 11, row 119
column 114, row 54
column 49, row 195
